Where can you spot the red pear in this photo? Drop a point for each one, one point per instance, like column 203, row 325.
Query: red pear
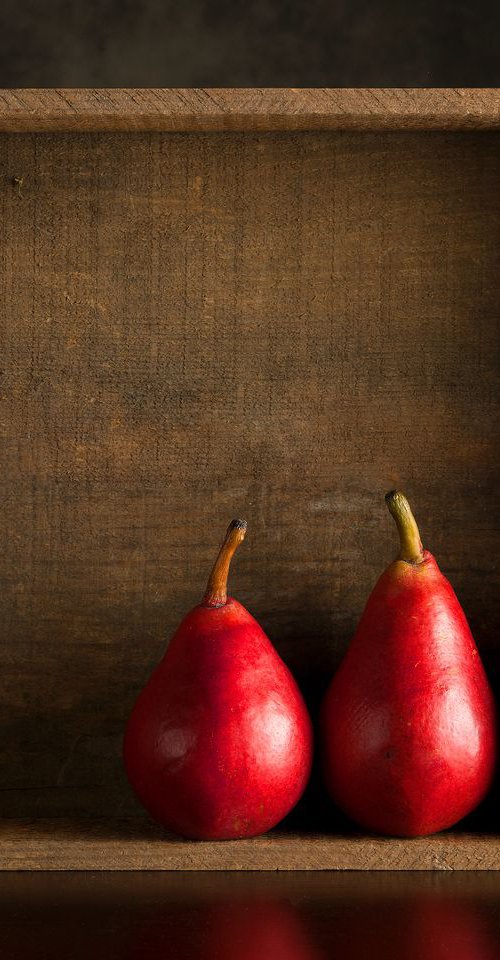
column 408, row 722
column 219, row 743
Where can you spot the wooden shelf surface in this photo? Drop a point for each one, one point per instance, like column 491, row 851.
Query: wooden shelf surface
column 139, row 845
column 207, row 109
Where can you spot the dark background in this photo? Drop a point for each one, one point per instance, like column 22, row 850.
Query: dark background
column 253, row 43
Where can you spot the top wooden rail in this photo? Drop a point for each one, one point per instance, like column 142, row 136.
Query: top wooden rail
column 139, row 844
column 259, row 109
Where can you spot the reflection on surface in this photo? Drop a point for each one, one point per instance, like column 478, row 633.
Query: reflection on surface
column 243, row 929
column 293, row 916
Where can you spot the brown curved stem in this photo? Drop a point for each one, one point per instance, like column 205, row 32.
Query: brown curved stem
column 216, row 592
column 411, row 546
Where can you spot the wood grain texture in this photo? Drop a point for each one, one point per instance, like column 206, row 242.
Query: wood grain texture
column 205, row 109
column 197, row 327
column 138, row 845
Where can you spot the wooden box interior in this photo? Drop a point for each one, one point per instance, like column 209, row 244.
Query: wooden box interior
column 196, row 326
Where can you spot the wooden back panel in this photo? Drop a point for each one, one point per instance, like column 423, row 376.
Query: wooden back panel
column 196, row 327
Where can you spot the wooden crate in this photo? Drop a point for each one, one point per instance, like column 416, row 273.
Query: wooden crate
column 268, row 303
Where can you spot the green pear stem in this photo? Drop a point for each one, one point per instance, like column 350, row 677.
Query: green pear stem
column 216, row 592
column 411, row 546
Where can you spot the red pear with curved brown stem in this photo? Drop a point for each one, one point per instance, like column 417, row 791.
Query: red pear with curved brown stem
column 219, row 743
column 408, row 722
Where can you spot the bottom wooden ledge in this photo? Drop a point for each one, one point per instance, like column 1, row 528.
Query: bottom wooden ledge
column 140, row 845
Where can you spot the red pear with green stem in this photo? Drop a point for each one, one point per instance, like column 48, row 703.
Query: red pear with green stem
column 219, row 743
column 408, row 722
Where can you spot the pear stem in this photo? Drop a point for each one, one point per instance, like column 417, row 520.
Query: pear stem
column 216, row 592
column 411, row 546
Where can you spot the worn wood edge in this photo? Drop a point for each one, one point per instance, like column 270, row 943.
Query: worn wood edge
column 62, row 889
column 264, row 109
column 136, row 845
